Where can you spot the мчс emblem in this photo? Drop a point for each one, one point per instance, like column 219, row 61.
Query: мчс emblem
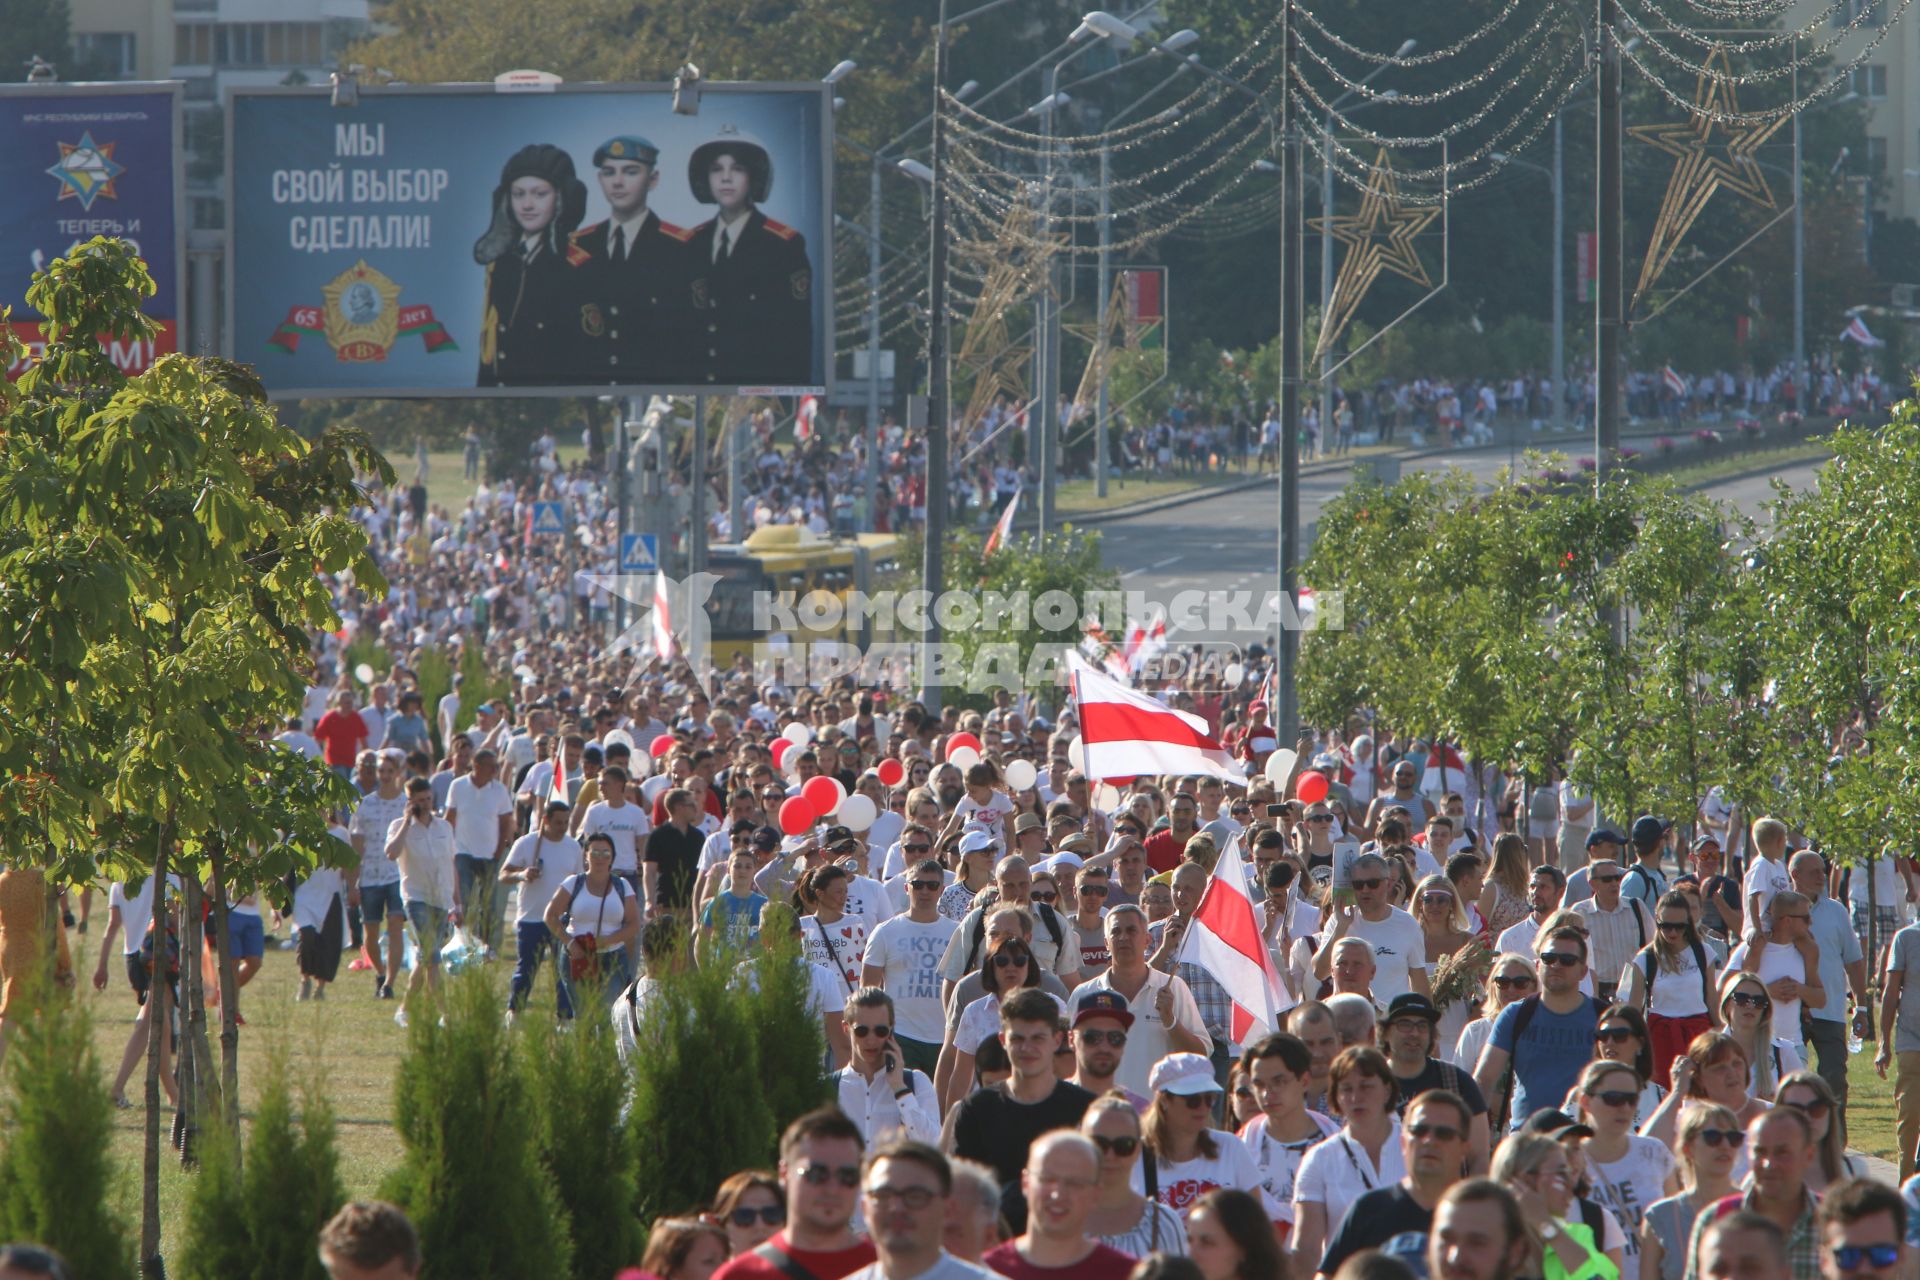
column 87, row 170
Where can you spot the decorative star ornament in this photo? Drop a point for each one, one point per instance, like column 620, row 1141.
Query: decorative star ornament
column 1709, row 156
column 1378, row 238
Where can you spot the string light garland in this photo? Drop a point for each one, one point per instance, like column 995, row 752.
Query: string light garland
column 1426, row 59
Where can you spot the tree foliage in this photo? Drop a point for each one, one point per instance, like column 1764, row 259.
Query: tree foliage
column 576, row 1089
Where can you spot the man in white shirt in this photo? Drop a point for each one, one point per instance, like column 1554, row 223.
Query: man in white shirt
column 480, row 811
column 539, row 863
column 1166, row 1018
column 878, row 1090
column 449, row 710
column 903, row 957
column 1543, row 895
column 421, row 842
column 618, row 817
column 1399, row 947
column 295, row 738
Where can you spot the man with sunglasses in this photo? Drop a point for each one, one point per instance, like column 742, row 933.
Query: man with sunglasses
column 1780, row 1146
column 903, row 958
column 1863, row 1232
column 1787, row 961
column 1404, row 791
column 1618, row 927
column 820, row 1171
column 1395, row 1219
column 908, row 1198
column 1407, row 1031
column 1547, row 1038
column 1399, row 946
column 882, row 1095
column 1090, row 892
column 1100, row 1027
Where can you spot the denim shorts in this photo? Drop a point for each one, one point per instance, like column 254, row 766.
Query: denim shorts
column 248, row 933
column 430, row 931
column 378, row 901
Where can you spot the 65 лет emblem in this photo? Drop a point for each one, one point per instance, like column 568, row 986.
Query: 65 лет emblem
column 361, row 318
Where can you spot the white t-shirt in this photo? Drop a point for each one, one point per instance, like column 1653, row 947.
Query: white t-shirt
column 884, row 834
column 372, row 820
column 1183, row 1182
column 981, row 1021
column 991, row 815
column 910, row 954
column 1473, row 1038
column 1888, row 891
column 1678, row 994
column 868, row 899
column 558, row 860
column 136, row 911
column 1518, row 938
column 599, row 915
column 1338, row 1172
column 1399, row 948
column 312, row 900
column 477, row 812
column 1279, row 1162
column 295, row 740
column 1766, row 878
column 1628, row 1186
column 839, row 945
column 1779, row 960
column 626, row 824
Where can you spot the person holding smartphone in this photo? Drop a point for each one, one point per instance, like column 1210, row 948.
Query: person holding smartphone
column 421, row 841
column 887, row 1099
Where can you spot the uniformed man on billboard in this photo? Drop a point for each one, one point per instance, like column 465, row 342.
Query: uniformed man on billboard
column 637, row 271
column 753, row 286
column 531, row 333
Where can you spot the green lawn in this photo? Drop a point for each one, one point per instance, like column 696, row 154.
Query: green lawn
column 447, row 484
column 1711, row 469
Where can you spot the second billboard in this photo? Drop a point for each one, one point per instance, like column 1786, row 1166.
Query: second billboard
column 453, row 241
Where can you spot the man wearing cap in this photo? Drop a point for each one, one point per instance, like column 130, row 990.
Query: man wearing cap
column 1604, row 844
column 539, row 862
column 1645, row 881
column 753, row 285
column 1407, row 1034
column 903, row 959
column 1434, row 1143
column 1100, row 1026
column 635, row 279
column 1030, row 837
column 1617, row 926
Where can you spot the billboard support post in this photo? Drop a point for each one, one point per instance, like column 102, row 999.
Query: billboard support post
column 621, row 454
column 697, row 494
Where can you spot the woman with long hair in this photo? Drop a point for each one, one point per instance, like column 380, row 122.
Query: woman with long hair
column 1229, row 1237
column 1812, row 1097
column 533, row 328
column 1626, row 1172
column 1746, row 1011
column 1512, row 979
column 1503, row 901
column 1364, row 1156
column 599, row 917
column 1540, row 1173
column 684, row 1249
column 1007, row 966
column 1708, row 1145
column 1674, row 978
column 1621, row 1036
column 1189, row 1155
column 970, row 878
column 750, row 1206
column 1122, row 1217
column 1714, row 1069
column 1442, row 916
column 833, row 938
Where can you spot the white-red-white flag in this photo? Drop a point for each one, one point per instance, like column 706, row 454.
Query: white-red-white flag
column 1857, row 331
column 557, row 785
column 803, row 418
column 1146, row 643
column 1003, row 527
column 1224, row 939
column 1126, row 733
column 1675, row 383
column 662, row 618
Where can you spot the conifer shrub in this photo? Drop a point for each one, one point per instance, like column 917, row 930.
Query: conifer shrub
column 579, row 1089
column 792, row 1045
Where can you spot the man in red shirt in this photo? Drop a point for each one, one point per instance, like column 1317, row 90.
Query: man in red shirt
column 820, row 1169
column 1062, row 1180
column 340, row 733
column 1165, row 847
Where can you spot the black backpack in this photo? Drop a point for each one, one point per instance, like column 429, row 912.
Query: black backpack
column 1047, row 917
column 1647, row 962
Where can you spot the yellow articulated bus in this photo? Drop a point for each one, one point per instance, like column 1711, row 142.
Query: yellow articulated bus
column 786, row 563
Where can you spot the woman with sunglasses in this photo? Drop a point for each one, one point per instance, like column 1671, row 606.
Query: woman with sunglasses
column 1242, row 1107
column 1812, row 1097
column 1627, row 1172
column 1541, row 1174
column 1673, row 978
column 1045, row 889
column 1621, row 1036
column 1746, row 1011
column 1709, row 1143
column 1122, row 1217
column 750, row 1206
column 1512, row 979
column 1364, row 1156
column 1443, row 922
column 1007, row 967
column 1190, row 1157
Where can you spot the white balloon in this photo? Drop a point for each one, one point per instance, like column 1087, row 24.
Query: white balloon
column 1280, row 764
column 1235, row 674
column 857, row 812
column 798, row 734
column 963, row 758
column 639, row 765
column 622, row 737
column 364, row 673
column 1021, row 774
column 1077, row 755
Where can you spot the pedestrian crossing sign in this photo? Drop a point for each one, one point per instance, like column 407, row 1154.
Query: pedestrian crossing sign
column 548, row 518
column 639, row 553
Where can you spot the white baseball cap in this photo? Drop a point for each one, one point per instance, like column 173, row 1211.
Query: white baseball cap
column 1185, row 1074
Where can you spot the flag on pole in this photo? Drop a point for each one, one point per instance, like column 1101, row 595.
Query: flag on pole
column 1146, row 643
column 1003, row 527
column 1224, row 939
column 1857, row 331
column 803, row 418
column 1125, row 733
column 1674, row 382
column 662, row 618
column 557, row 788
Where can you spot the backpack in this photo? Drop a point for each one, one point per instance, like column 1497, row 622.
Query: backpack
column 1647, row 963
column 1047, row 917
column 573, row 886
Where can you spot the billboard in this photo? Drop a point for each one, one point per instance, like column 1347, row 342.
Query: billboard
column 453, row 240
column 84, row 160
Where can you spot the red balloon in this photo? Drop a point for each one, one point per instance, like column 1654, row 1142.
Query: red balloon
column 1311, row 787
column 661, row 745
column 822, row 794
column 779, row 750
column 959, row 740
column 797, row 816
column 891, row 772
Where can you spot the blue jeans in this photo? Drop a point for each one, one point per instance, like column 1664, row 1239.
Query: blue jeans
column 430, row 931
column 479, row 878
column 377, row 902
column 533, row 941
column 615, row 976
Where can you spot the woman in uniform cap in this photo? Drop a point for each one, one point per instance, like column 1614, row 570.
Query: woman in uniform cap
column 753, row 287
column 533, row 318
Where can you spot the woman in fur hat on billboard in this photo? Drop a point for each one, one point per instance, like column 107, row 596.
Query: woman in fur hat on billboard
column 534, row 323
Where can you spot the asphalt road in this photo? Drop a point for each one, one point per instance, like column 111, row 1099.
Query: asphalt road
column 1193, row 560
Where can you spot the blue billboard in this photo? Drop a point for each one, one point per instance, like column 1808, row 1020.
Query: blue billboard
column 453, row 240
column 85, row 160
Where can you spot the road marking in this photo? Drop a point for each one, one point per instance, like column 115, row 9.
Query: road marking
column 1161, row 564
